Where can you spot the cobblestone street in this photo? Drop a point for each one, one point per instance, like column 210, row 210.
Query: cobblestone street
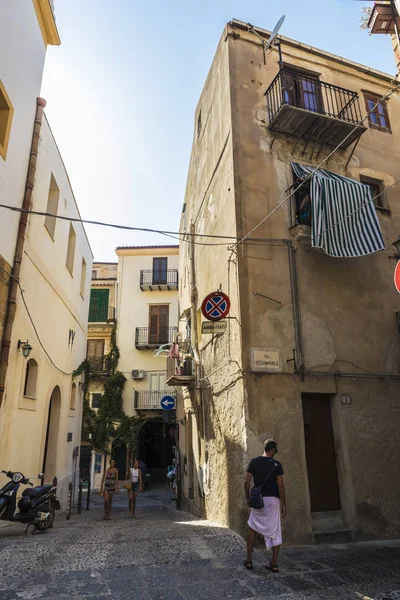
column 168, row 554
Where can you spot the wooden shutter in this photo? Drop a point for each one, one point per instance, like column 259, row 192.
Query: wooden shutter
column 160, row 270
column 95, row 348
column 158, row 324
column 98, row 311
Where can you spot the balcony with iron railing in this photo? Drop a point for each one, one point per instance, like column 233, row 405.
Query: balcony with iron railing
column 151, row 400
column 163, row 279
column 147, row 337
column 180, row 372
column 316, row 111
column 97, row 363
column 101, row 314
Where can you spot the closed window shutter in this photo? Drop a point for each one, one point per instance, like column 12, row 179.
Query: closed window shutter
column 95, row 348
column 164, row 310
column 98, row 311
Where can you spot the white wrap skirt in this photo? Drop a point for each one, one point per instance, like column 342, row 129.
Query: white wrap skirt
column 267, row 521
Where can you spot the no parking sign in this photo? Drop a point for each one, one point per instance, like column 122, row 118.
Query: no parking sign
column 216, row 306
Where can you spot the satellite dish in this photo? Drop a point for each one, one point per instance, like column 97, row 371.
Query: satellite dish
column 275, row 32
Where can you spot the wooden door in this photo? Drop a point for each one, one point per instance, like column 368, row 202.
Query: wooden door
column 320, row 453
column 158, row 324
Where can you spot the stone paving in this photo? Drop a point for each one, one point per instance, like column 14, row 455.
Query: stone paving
column 169, row 555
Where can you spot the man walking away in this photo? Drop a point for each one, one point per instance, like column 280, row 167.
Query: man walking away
column 266, row 473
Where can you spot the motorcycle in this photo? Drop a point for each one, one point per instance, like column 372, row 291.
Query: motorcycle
column 37, row 505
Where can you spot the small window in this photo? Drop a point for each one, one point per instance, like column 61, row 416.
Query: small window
column 376, row 186
column 83, row 277
column 52, row 206
column 71, row 249
column 199, row 125
column 31, row 375
column 94, row 274
column 96, row 398
column 378, row 117
column 72, row 401
column 6, row 115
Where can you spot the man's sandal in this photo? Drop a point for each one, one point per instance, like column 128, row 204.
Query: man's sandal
column 248, row 564
column 272, row 568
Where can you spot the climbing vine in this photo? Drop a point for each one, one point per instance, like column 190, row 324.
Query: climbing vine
column 109, row 421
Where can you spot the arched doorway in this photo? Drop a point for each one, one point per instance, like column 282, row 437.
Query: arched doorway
column 156, row 443
column 53, row 424
column 118, row 454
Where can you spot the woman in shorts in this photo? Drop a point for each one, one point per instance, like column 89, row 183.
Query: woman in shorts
column 136, row 487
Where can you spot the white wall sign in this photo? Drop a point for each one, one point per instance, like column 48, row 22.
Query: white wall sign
column 213, row 326
column 265, row 360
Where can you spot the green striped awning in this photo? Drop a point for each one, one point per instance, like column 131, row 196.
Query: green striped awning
column 343, row 216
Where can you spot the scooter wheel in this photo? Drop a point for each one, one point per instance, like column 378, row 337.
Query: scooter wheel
column 43, row 525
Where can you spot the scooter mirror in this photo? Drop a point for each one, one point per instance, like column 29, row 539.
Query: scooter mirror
column 40, row 476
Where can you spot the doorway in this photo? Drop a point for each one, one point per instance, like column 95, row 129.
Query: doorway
column 157, row 440
column 320, row 453
column 118, row 454
column 52, row 434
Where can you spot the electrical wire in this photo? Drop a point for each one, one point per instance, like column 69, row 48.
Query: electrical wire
column 387, row 95
column 33, row 324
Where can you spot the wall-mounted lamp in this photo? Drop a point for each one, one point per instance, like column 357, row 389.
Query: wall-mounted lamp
column 396, row 244
column 26, row 348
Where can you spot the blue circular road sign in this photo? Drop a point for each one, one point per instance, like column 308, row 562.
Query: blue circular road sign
column 168, row 403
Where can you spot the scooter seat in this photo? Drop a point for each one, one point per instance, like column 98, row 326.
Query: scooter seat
column 39, row 490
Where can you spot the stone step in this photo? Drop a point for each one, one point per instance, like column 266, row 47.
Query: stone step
column 340, row 536
column 327, row 521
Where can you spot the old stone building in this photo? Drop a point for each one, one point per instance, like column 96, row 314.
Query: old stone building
column 311, row 351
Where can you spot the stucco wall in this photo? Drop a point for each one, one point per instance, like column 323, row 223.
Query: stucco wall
column 209, row 201
column 56, row 306
column 347, row 306
column 21, row 69
column 133, row 311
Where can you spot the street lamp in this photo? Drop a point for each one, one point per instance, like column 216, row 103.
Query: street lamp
column 26, row 348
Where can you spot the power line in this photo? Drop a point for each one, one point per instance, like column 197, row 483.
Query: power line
column 387, row 95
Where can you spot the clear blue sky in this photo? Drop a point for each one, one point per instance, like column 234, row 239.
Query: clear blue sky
column 123, row 87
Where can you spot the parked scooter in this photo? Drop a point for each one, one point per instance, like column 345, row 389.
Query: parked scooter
column 37, row 505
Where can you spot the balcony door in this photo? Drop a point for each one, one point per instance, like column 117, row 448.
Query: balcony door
column 160, row 268
column 302, row 90
column 158, row 324
column 157, row 386
column 95, row 353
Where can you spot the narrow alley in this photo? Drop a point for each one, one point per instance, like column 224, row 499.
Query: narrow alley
column 170, row 555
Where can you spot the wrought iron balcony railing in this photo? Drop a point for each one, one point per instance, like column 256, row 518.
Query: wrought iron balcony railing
column 97, row 363
column 147, row 337
column 163, row 279
column 101, row 314
column 151, row 400
column 304, row 106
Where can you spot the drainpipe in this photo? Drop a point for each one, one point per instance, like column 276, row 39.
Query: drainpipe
column 19, row 248
column 294, row 288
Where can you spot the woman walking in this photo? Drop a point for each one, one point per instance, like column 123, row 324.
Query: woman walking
column 110, row 488
column 136, row 487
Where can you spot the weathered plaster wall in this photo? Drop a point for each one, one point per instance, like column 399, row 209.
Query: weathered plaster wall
column 209, row 203
column 347, row 306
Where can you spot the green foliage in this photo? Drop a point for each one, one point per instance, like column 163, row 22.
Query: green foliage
column 105, row 423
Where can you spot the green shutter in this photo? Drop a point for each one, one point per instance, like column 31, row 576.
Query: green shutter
column 98, row 310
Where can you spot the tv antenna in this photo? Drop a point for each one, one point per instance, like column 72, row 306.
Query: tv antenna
column 267, row 44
